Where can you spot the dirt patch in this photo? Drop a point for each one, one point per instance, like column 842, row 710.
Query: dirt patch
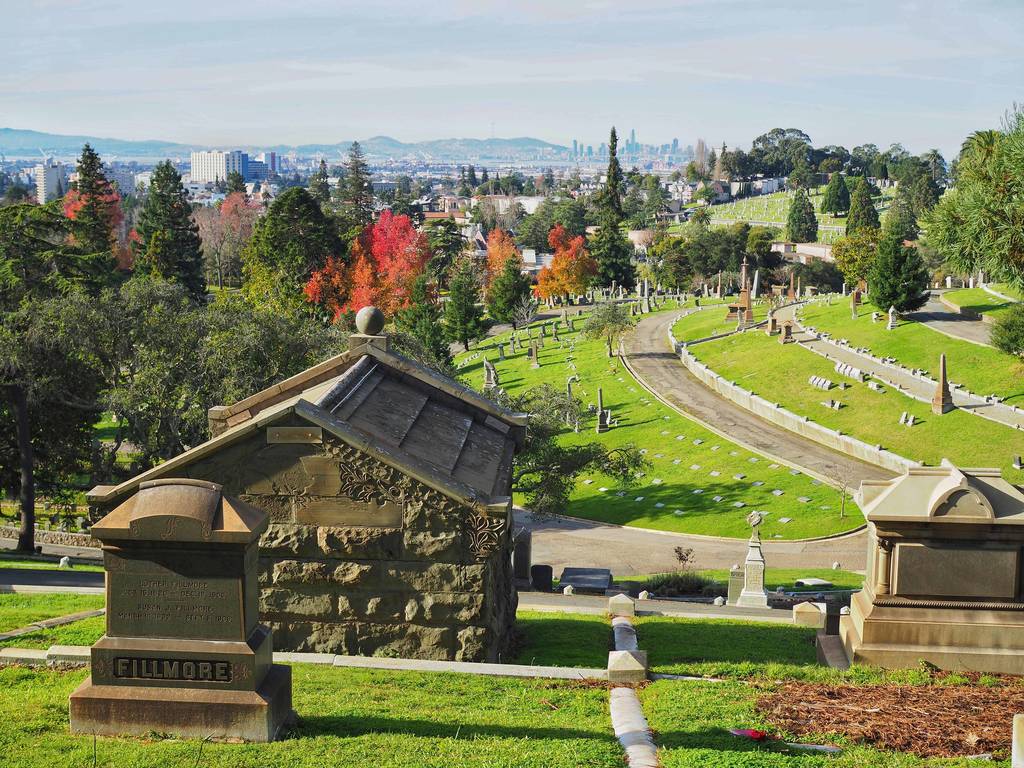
column 925, row 720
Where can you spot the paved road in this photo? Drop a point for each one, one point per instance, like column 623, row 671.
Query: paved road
column 648, row 353
column 31, row 577
column 936, row 315
column 626, row 551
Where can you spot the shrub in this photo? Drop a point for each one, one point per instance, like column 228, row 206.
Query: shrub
column 678, row 583
column 1008, row 333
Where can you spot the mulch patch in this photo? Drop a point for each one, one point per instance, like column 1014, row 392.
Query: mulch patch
column 925, row 720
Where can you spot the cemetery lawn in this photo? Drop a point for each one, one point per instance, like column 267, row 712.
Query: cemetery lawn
column 21, row 609
column 1008, row 290
column 15, row 561
column 690, row 466
column 982, row 370
column 563, row 639
column 349, row 717
column 709, row 322
column 780, row 374
column 979, row 300
column 784, row 577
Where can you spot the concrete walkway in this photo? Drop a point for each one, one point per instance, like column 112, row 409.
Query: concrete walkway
column 625, row 551
column 939, row 317
column 659, row 370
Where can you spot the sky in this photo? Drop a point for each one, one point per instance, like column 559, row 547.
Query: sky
column 924, row 73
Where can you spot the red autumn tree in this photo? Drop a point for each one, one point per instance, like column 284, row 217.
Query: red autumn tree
column 386, row 259
column 500, row 248
column 572, row 267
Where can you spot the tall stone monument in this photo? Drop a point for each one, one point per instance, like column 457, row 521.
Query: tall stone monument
column 753, row 594
column 183, row 651
column 942, row 401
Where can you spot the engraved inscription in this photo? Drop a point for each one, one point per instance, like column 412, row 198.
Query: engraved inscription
column 172, row 669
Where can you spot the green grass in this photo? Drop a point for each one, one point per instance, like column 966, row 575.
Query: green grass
column 14, row 561
column 1008, row 290
column 563, row 639
column 348, row 717
column 105, row 429
column 84, row 632
column 709, row 322
column 19, row 610
column 651, row 426
column 691, row 722
column 979, row 301
column 983, row 370
column 780, row 373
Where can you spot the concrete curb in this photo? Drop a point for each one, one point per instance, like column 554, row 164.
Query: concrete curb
column 29, row 589
column 48, row 623
column 631, row 728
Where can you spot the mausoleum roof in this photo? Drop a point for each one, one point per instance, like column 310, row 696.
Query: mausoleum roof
column 944, row 494
column 426, row 425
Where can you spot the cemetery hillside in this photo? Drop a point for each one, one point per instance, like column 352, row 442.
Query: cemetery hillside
column 657, row 437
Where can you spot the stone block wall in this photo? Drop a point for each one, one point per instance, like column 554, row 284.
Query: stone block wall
column 362, row 559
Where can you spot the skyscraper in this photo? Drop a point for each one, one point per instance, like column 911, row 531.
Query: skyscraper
column 216, row 165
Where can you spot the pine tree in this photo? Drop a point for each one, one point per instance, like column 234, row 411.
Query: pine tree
column 94, row 208
column 357, row 191
column 422, row 319
column 801, row 223
column 836, row 198
column 463, row 315
column 924, row 194
column 862, row 210
column 507, row 290
column 169, row 244
column 447, row 242
column 319, row 187
column 899, row 277
column 610, row 248
column 900, row 219
column 235, row 183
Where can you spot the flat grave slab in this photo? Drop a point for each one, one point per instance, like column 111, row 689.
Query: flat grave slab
column 586, row 579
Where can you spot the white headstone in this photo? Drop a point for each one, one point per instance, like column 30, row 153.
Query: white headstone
column 65, row 562
column 568, row 590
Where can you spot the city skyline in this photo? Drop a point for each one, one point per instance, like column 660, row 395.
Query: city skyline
column 321, row 73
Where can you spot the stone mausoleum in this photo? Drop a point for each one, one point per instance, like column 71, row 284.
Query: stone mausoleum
column 389, row 493
column 944, row 573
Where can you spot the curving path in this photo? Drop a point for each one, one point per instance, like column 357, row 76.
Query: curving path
column 939, row 317
column 649, row 356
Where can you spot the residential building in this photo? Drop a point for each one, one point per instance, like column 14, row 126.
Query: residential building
column 51, row 180
column 216, row 165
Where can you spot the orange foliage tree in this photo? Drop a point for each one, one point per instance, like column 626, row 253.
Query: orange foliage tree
column 572, row 267
column 386, row 259
column 500, row 248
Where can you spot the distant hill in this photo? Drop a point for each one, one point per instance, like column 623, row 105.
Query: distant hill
column 15, row 142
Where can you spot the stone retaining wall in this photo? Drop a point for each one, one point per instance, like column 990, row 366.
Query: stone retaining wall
column 786, row 419
column 58, row 538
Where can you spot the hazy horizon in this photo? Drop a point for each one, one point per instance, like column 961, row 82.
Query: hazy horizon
column 923, row 74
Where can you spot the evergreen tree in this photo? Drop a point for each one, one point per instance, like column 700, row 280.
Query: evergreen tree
column 899, row 277
column 169, row 244
column 294, row 239
column 447, row 242
column 862, row 210
column 610, row 248
column 319, row 187
column 801, row 223
column 235, row 183
column 924, row 194
column 507, row 290
column 422, row 319
column 900, row 219
column 463, row 315
column 357, row 192
column 836, row 198
column 93, row 207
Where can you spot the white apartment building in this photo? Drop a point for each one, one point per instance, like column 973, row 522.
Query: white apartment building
column 51, row 181
column 216, row 165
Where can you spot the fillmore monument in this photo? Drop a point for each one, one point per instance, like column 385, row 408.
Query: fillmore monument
column 183, row 651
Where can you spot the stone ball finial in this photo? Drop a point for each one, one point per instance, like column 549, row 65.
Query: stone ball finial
column 369, row 321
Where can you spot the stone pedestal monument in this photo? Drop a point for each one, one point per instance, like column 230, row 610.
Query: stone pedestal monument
column 183, row 651
column 945, row 574
column 753, row 594
column 942, row 400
